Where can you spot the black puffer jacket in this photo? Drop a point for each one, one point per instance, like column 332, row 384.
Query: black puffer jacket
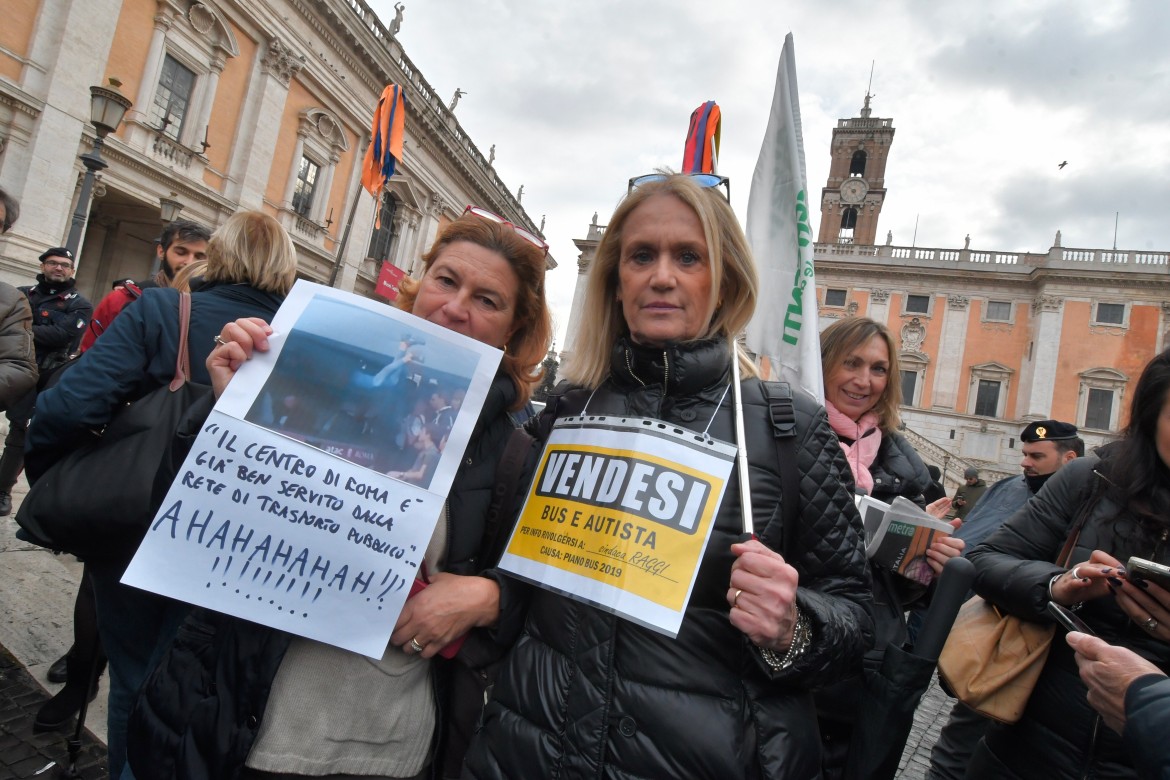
column 199, row 712
column 1059, row 734
column 585, row 694
column 898, row 471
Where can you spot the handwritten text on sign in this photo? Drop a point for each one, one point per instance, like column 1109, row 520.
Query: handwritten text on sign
column 619, row 514
column 273, row 531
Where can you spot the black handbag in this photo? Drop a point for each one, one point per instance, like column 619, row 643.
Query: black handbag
column 97, row 501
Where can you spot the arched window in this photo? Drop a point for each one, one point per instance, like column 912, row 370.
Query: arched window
column 857, row 164
column 848, row 223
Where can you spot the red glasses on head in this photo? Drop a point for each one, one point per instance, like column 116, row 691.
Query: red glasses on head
column 531, row 238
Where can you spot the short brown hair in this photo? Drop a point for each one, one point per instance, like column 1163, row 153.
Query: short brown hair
column 842, row 338
column 526, row 349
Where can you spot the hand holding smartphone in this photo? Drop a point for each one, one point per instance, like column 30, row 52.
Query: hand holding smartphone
column 1140, row 568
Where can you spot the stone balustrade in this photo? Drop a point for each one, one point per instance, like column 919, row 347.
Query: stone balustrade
column 1056, row 257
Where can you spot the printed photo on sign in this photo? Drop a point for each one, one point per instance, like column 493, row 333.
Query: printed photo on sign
column 295, row 507
column 367, row 383
column 388, row 406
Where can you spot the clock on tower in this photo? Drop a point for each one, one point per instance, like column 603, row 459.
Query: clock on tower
column 852, row 197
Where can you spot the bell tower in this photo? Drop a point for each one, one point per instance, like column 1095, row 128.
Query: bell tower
column 852, row 198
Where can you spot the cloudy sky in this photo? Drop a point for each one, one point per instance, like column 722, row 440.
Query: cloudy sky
column 987, row 98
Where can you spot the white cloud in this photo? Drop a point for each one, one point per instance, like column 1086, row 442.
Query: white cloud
column 986, row 99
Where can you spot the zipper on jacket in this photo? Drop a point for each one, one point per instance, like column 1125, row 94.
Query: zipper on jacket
column 665, row 369
column 630, row 368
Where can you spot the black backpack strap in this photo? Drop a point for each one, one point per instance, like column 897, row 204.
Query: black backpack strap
column 783, row 415
column 508, row 485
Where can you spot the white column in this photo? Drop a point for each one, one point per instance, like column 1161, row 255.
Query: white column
column 325, row 187
column 210, row 85
column 259, row 127
column 879, row 305
column 949, row 360
column 1048, row 321
column 291, row 185
column 152, row 69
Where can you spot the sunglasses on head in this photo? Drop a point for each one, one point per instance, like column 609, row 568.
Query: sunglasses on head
column 705, row 180
column 531, row 238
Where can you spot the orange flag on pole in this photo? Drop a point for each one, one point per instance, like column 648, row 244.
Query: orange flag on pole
column 385, row 149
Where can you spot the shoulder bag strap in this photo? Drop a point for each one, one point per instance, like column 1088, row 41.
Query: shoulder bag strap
column 783, row 416
column 183, row 358
column 1086, row 509
column 507, row 485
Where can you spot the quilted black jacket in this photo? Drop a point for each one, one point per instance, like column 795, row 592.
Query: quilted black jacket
column 898, row 471
column 199, row 712
column 585, row 694
column 1059, row 734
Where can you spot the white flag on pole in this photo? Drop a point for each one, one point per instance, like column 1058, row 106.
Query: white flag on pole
column 784, row 327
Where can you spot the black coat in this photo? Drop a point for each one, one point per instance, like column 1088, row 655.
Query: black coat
column 60, row 314
column 898, row 471
column 585, row 694
column 199, row 711
column 1059, row 734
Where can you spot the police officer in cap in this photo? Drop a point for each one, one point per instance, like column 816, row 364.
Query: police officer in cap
column 60, row 315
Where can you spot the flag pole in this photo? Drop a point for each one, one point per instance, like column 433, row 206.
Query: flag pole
column 345, row 234
column 745, row 487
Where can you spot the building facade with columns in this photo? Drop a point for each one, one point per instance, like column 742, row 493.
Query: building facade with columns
column 988, row 340
column 264, row 104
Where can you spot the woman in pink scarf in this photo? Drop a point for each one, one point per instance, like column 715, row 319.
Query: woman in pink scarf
column 862, row 393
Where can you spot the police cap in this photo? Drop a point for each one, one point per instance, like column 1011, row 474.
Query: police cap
column 1048, row 430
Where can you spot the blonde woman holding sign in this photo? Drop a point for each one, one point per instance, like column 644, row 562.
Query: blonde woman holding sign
column 586, row 693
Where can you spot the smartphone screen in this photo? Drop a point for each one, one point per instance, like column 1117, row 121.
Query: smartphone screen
column 1068, row 619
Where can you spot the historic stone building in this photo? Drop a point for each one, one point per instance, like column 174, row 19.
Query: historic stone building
column 259, row 104
column 989, row 339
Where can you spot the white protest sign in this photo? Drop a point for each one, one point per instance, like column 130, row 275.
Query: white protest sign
column 284, row 512
column 619, row 514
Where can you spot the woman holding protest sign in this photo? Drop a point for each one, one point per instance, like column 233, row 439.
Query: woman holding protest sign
column 251, row 264
column 588, row 693
column 859, row 360
column 275, row 705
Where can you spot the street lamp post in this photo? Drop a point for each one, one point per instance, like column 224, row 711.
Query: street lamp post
column 107, row 106
column 169, row 208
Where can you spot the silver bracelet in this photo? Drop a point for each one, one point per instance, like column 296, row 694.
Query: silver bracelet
column 1071, row 607
column 801, row 639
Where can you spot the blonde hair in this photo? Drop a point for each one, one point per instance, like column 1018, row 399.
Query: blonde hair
column 525, row 351
column 252, row 248
column 187, row 274
column 841, row 339
column 734, row 282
